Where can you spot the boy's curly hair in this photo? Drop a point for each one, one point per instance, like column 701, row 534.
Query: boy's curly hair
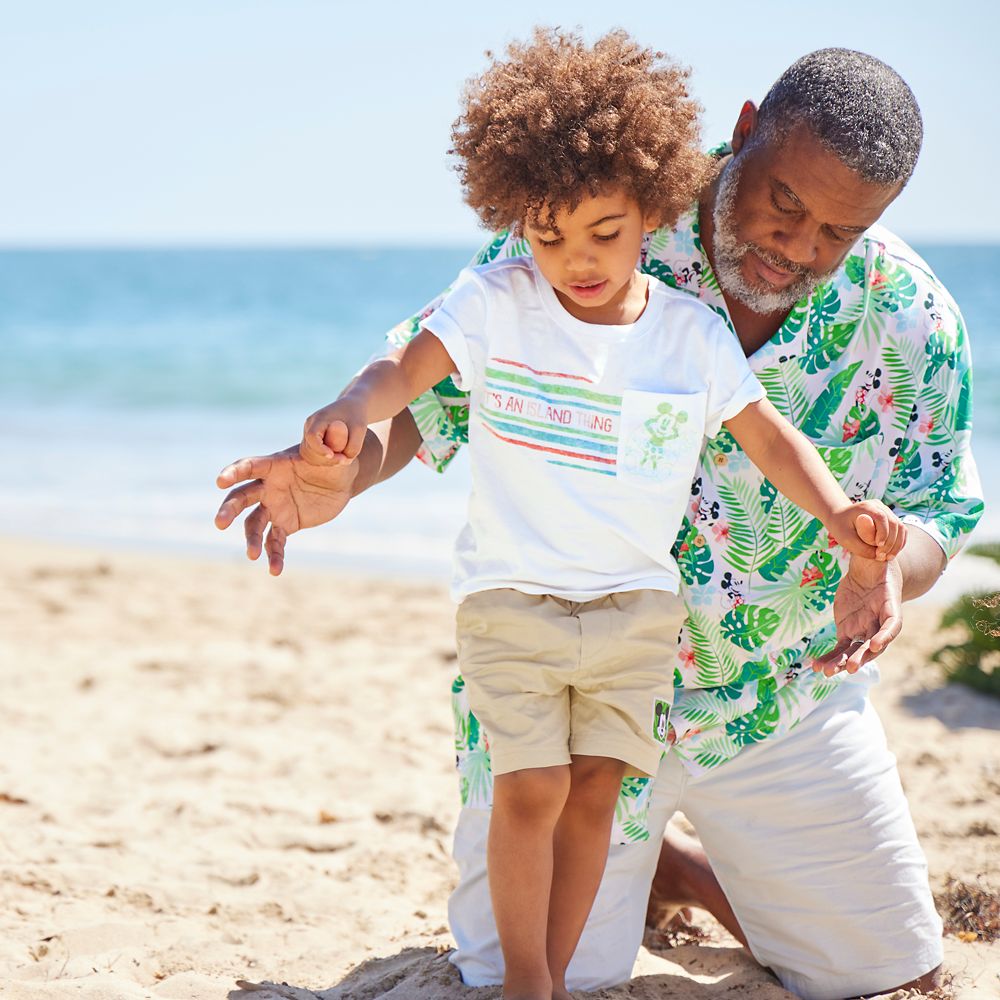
column 558, row 120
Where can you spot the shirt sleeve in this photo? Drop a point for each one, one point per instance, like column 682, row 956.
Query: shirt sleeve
column 442, row 413
column 459, row 322
column 935, row 484
column 732, row 385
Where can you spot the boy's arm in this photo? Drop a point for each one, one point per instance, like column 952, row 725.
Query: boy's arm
column 382, row 390
column 795, row 468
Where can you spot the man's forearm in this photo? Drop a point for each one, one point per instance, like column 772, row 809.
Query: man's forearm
column 389, row 446
column 921, row 563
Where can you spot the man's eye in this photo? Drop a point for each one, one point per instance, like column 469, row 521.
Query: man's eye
column 837, row 237
column 612, row 236
column 782, row 208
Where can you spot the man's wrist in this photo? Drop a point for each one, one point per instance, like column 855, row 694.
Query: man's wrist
column 369, row 463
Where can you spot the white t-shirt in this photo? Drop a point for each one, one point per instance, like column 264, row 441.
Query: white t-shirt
column 583, row 438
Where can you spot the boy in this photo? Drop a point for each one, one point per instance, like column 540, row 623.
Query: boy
column 592, row 389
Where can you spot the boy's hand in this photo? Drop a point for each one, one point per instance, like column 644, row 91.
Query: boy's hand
column 334, row 435
column 868, row 529
column 289, row 494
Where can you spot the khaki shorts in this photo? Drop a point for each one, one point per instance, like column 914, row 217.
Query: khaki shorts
column 548, row 678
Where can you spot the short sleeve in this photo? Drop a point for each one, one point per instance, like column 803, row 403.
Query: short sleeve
column 935, row 484
column 442, row 413
column 732, row 385
column 459, row 322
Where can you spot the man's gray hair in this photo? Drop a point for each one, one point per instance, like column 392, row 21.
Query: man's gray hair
column 857, row 106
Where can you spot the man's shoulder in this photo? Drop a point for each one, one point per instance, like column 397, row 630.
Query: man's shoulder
column 894, row 269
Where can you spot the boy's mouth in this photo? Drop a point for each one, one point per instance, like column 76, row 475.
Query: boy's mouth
column 588, row 289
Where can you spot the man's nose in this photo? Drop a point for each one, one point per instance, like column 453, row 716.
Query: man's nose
column 798, row 240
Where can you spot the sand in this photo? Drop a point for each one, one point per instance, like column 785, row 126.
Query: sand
column 211, row 776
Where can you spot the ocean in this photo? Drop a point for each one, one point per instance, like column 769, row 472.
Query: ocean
column 130, row 377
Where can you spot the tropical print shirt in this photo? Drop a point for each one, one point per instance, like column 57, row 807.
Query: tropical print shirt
column 874, row 368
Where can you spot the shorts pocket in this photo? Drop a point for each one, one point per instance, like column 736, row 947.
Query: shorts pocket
column 660, row 437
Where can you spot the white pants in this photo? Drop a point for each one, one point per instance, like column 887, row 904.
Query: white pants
column 811, row 839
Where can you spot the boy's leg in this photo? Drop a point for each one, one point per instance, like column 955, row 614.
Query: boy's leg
column 580, row 849
column 526, row 807
column 611, row 938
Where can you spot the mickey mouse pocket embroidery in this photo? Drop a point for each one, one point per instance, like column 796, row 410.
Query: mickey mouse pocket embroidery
column 660, row 435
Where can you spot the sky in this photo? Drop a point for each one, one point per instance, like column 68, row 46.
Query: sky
column 306, row 122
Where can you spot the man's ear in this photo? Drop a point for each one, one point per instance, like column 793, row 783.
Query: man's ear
column 746, row 125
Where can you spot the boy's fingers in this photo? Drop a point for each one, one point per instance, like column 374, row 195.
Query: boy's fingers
column 253, row 528
column 237, row 502
column 335, row 437
column 864, row 526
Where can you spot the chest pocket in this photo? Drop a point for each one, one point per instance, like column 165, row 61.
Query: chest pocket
column 660, row 438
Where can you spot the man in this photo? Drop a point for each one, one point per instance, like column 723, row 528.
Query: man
column 783, row 770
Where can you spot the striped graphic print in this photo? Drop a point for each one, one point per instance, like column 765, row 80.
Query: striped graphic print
column 552, row 413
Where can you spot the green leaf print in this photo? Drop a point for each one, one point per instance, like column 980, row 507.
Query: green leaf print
column 963, row 408
column 768, row 494
column 837, row 460
column 828, row 402
column 821, row 578
column 755, row 725
column 715, row 664
column 902, row 378
column 752, row 671
column 940, row 350
column 892, row 287
column 854, row 266
column 825, row 307
column 777, row 565
column 492, row 251
column 694, row 556
column 825, row 344
column 860, row 424
column 785, row 386
column 661, row 271
column 908, row 467
column 793, row 324
column 749, row 626
column 518, row 248
column 748, row 544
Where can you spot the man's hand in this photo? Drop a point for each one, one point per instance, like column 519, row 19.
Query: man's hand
column 868, row 613
column 290, row 495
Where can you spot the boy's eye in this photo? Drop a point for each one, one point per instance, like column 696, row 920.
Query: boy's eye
column 609, row 238
column 550, row 243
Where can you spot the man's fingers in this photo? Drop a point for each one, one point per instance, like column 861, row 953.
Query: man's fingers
column 355, row 440
column 237, row 502
column 275, row 545
column 240, row 471
column 253, row 528
column 886, row 634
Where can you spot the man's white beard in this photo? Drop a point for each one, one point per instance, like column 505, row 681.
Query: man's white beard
column 729, row 254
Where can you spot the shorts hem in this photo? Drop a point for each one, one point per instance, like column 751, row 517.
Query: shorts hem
column 885, row 978
column 526, row 758
column 645, row 760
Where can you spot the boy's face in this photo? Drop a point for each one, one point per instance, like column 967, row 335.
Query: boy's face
column 590, row 256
